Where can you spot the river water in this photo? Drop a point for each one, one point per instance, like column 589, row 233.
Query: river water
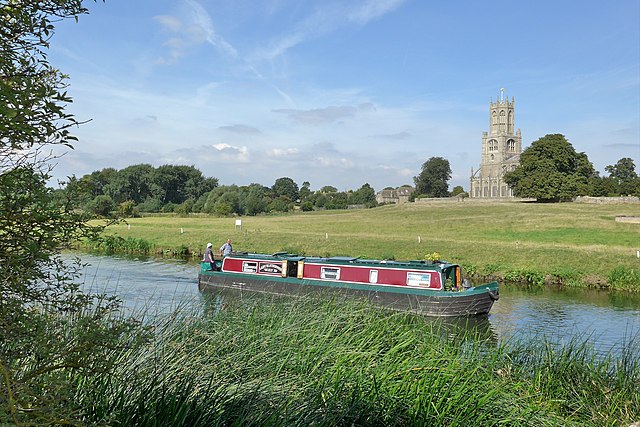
column 609, row 321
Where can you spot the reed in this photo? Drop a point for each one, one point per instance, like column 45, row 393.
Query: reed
column 321, row 361
column 568, row 243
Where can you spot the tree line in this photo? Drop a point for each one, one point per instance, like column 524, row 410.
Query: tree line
column 184, row 189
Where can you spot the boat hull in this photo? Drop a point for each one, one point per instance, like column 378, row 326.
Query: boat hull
column 472, row 302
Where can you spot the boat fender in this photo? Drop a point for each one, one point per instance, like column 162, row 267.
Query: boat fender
column 495, row 295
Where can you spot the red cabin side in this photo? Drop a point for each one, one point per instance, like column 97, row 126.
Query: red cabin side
column 373, row 275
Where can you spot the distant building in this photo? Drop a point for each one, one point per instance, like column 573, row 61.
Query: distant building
column 501, row 149
column 394, row 195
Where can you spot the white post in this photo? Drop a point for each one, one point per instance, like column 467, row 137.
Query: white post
column 181, row 230
column 419, row 239
column 638, row 254
column 326, row 236
column 128, row 226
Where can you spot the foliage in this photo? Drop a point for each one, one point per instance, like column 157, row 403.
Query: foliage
column 167, row 183
column 551, row 170
column 126, row 209
column 529, row 277
column 285, row 187
column 459, row 190
column 50, row 329
column 184, row 190
column 433, row 256
column 433, row 180
column 101, row 206
column 624, row 278
column 323, row 361
column 110, row 244
column 624, row 179
column 365, row 196
column 305, row 191
column 281, row 204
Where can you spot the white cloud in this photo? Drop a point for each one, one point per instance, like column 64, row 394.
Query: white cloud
column 229, row 152
column 171, row 23
column 195, row 29
column 202, row 22
column 373, row 9
column 326, row 19
column 283, row 152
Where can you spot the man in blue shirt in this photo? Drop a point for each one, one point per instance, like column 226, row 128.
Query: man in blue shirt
column 226, row 248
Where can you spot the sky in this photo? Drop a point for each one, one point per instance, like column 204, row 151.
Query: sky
column 343, row 92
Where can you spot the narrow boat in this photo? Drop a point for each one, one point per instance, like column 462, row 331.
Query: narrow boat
column 430, row 288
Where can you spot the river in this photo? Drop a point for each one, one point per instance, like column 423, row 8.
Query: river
column 609, row 321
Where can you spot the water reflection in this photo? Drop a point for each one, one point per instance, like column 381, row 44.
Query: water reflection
column 607, row 321
column 147, row 286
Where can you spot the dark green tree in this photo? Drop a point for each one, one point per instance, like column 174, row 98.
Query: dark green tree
column 624, row 175
column 286, row 187
column 102, row 206
column 281, row 204
column 305, row 191
column 551, row 170
column 458, row 190
column 328, row 189
column 131, row 183
column 433, row 180
column 365, row 195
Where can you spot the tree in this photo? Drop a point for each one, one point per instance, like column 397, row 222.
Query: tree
column 624, row 175
column 459, row 191
column 46, row 335
column 551, row 170
column 328, row 189
column 101, row 206
column 433, row 181
column 365, row 195
column 286, row 187
column 305, row 192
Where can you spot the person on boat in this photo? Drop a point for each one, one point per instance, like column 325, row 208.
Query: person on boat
column 208, row 256
column 226, row 248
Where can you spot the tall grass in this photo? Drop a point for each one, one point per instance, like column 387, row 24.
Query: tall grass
column 568, row 243
column 330, row 362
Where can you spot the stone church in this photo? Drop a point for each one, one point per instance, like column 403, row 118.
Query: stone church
column 501, row 148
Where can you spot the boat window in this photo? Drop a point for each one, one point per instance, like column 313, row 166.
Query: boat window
column 373, row 276
column 249, row 267
column 418, row 279
column 330, row 273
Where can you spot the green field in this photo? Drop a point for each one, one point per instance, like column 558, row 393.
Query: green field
column 569, row 243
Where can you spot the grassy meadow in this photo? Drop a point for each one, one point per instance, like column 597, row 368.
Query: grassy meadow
column 569, row 243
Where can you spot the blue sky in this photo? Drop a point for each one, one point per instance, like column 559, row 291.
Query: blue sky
column 344, row 92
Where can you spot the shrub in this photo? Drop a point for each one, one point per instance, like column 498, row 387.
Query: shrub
column 624, row 278
column 525, row 276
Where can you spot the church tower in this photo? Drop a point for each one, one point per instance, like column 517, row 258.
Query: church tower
column 501, row 148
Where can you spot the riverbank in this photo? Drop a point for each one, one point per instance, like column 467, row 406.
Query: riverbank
column 571, row 244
